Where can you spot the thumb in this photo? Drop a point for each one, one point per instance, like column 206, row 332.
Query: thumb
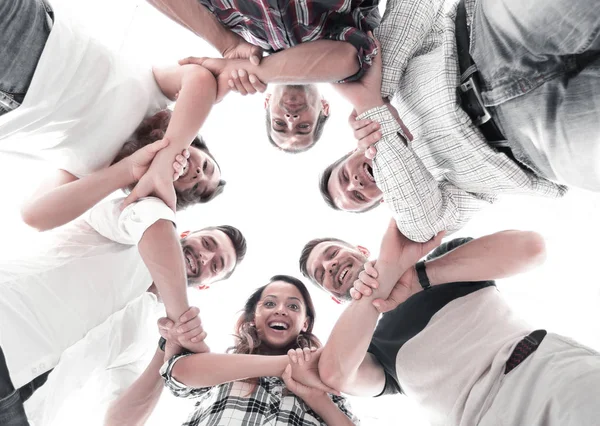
column 165, row 323
column 192, row 60
column 381, row 305
column 256, row 55
column 131, row 198
column 154, row 147
column 435, row 241
column 287, row 373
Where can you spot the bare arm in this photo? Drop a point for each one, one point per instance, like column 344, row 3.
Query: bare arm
column 204, row 370
column 192, row 15
column 136, row 404
column 65, row 197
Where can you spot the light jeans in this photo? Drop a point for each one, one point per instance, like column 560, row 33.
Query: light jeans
column 24, row 29
column 540, row 68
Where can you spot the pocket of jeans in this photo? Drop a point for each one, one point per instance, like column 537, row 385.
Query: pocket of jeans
column 7, row 102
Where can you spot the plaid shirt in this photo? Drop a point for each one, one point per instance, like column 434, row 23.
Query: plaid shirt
column 235, row 403
column 448, row 171
column 279, row 24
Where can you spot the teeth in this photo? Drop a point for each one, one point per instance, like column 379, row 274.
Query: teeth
column 188, row 257
column 343, row 275
column 279, row 324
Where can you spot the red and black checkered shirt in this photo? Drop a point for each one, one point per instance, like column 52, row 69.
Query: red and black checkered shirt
column 278, row 24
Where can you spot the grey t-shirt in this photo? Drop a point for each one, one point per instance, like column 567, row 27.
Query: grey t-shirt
column 445, row 347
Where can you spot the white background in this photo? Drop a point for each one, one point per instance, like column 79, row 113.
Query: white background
column 274, row 199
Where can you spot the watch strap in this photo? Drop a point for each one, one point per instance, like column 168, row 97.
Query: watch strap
column 422, row 275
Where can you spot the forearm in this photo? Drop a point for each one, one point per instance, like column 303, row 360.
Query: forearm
column 320, row 61
column 160, row 250
column 199, row 20
column 349, row 340
column 64, row 203
column 136, row 404
column 491, row 257
column 207, row 369
column 329, row 412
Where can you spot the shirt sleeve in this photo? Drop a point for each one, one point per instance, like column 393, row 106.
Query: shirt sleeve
column 177, row 388
column 366, row 18
column 447, row 247
column 127, row 226
column 421, row 205
column 403, row 29
column 344, row 406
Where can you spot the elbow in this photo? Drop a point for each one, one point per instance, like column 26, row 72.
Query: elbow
column 32, row 218
column 200, row 80
column 330, row 372
column 349, row 57
column 534, row 247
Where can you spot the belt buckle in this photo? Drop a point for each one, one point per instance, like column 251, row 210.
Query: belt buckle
column 470, row 84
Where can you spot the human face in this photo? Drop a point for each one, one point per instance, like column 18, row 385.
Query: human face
column 280, row 315
column 352, row 185
column 294, row 111
column 209, row 256
column 335, row 267
column 201, row 175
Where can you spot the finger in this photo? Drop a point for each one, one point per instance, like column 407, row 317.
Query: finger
column 365, row 131
column 154, row 147
column 384, row 306
column 186, row 153
column 352, row 117
column 165, row 323
column 370, row 269
column 307, row 354
column 191, row 313
column 364, row 123
column 256, row 55
column 181, row 159
column 164, row 333
column 238, row 84
column 177, row 167
column 257, row 84
column 292, row 355
column 367, row 280
column 232, row 86
column 190, row 325
column 371, row 152
column 369, row 140
column 322, row 386
column 362, row 288
column 131, row 198
column 199, row 338
column 287, row 373
column 192, row 60
column 300, row 356
column 356, row 295
column 244, row 79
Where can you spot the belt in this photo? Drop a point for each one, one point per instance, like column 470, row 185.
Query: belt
column 524, row 348
column 469, row 88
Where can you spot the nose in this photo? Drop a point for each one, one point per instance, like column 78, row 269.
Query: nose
column 206, row 257
column 355, row 183
column 281, row 309
column 291, row 118
column 197, row 174
column 330, row 266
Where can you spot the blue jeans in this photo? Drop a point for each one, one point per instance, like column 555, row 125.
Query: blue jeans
column 12, row 412
column 24, row 29
column 540, row 68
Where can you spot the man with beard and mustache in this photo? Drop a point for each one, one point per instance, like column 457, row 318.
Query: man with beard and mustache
column 451, row 342
column 87, row 294
column 514, row 112
column 327, row 42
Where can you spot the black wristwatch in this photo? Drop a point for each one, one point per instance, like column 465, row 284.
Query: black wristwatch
column 422, row 275
column 161, row 343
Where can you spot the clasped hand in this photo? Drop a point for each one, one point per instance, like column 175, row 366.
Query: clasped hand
column 187, row 333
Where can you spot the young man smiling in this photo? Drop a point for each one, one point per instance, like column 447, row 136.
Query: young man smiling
column 102, row 272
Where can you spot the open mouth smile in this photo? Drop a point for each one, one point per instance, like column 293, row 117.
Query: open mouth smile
column 191, row 263
column 278, row 326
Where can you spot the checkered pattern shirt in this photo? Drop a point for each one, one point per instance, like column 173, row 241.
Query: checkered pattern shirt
column 448, row 171
column 233, row 404
column 279, row 24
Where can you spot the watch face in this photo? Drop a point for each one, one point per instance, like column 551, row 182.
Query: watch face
column 161, row 343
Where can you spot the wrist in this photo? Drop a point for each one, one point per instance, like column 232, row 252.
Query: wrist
column 124, row 172
column 367, row 104
column 319, row 403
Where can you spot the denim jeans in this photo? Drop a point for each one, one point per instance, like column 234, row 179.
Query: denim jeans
column 12, row 412
column 540, row 66
column 24, row 29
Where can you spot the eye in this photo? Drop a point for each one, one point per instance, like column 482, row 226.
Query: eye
column 214, row 267
column 195, row 188
column 205, row 243
column 279, row 123
column 345, row 176
column 303, row 126
column 359, row 196
column 269, row 304
column 205, row 166
column 293, row 306
column 333, row 254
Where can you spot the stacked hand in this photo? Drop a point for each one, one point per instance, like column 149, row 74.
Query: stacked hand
column 367, row 282
column 231, row 74
column 140, row 161
column 187, row 333
column 301, row 376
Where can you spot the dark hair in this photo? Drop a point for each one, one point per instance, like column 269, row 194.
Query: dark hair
column 152, row 129
column 246, row 336
column 237, row 239
column 317, row 132
column 324, row 186
column 307, row 250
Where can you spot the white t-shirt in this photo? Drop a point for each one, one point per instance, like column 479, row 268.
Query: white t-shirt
column 83, row 103
column 97, row 369
column 70, row 281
